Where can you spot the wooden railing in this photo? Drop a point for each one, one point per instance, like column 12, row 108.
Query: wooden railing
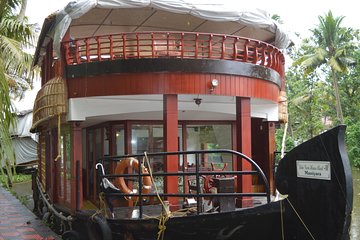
column 186, row 45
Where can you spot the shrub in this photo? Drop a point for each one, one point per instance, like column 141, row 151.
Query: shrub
column 352, row 142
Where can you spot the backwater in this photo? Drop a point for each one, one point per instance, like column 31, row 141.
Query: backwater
column 355, row 222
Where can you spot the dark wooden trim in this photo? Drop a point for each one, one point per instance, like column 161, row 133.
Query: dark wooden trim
column 153, row 65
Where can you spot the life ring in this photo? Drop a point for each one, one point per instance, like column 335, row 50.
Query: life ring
column 98, row 228
column 120, row 182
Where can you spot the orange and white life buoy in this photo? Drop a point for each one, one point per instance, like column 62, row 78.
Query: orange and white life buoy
column 120, row 182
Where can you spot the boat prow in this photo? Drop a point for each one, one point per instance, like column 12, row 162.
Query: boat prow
column 317, row 178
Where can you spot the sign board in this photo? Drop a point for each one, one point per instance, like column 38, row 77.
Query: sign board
column 313, row 169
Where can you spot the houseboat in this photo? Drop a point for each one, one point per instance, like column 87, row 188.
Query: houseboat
column 156, row 120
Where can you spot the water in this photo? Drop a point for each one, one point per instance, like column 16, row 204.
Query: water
column 355, row 223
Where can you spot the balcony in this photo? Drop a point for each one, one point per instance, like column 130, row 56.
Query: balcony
column 180, row 45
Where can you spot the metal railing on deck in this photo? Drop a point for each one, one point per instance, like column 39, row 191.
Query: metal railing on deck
column 197, row 173
column 185, row 45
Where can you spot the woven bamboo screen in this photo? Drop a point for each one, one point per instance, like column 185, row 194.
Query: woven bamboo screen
column 42, row 164
column 50, row 102
column 283, row 110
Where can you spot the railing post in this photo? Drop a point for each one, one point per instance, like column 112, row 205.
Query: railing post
column 197, row 176
column 87, row 51
column 77, row 57
column 98, row 42
column 111, row 48
column 196, row 45
column 210, row 45
column 263, row 55
column 235, row 48
column 270, row 56
column 167, row 44
column 124, row 45
column 77, row 170
column 223, row 47
column 152, row 45
column 67, row 53
column 140, row 200
column 246, row 50
column 182, row 45
column 137, row 45
column 256, row 53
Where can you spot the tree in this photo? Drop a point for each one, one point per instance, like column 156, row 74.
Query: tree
column 15, row 65
column 331, row 50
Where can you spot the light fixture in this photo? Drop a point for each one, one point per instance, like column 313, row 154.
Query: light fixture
column 197, row 101
column 214, row 84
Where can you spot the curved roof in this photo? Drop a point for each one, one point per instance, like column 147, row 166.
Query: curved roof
column 86, row 18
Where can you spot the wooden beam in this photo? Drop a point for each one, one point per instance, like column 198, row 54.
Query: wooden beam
column 243, row 140
column 271, row 158
column 171, row 143
column 76, row 177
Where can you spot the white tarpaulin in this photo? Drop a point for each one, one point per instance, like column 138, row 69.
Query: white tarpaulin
column 219, row 11
column 24, row 142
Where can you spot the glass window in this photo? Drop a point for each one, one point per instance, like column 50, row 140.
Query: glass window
column 148, row 138
column 215, row 136
column 119, row 140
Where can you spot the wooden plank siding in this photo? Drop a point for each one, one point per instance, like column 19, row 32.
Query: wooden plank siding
column 171, row 83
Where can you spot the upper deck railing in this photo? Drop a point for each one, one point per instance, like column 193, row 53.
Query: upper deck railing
column 184, row 45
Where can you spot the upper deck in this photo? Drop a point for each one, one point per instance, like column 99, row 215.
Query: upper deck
column 179, row 45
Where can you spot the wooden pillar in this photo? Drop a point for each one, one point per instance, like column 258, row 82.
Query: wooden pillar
column 76, row 167
column 270, row 127
column 171, row 144
column 243, row 140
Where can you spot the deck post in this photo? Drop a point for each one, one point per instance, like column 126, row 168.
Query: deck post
column 243, row 140
column 76, row 156
column 270, row 129
column 170, row 112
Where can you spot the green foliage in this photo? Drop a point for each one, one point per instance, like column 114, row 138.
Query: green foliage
column 307, row 104
column 352, row 143
column 326, row 65
column 15, row 70
column 18, row 178
column 289, row 140
column 330, row 49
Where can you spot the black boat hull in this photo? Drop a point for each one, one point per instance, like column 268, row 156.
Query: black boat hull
column 324, row 204
column 261, row 222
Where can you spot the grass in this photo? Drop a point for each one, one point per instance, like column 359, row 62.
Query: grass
column 18, row 178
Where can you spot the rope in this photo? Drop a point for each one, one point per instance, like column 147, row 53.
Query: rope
column 166, row 213
column 103, row 207
column 303, row 223
column 282, row 220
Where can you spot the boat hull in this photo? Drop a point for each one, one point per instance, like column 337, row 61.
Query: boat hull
column 261, row 222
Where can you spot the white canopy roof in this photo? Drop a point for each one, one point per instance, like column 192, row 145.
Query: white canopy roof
column 87, row 18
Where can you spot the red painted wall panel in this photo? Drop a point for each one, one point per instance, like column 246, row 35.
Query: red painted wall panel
column 171, row 83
